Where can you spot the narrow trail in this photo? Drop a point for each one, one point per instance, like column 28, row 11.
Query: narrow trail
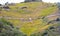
column 52, row 15
column 56, row 14
column 29, row 19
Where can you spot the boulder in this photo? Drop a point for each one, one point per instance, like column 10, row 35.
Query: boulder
column 33, row 0
column 6, row 8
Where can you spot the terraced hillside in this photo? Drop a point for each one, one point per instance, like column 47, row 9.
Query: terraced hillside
column 33, row 18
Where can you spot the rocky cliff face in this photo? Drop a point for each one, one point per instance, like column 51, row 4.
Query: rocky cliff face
column 33, row 0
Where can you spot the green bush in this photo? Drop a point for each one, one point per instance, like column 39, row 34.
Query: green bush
column 7, row 29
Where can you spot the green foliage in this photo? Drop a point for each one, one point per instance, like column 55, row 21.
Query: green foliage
column 7, row 30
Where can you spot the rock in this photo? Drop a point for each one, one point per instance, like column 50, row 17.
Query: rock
column 57, row 19
column 45, row 34
column 49, row 22
column 51, row 28
column 23, row 7
column 6, row 8
column 33, row 0
column 30, row 19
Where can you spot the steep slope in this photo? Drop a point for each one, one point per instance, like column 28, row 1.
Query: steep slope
column 29, row 18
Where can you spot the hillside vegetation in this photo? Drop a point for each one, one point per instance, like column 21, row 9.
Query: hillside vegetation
column 31, row 18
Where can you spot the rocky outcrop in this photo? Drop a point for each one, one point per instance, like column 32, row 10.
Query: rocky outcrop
column 33, row 0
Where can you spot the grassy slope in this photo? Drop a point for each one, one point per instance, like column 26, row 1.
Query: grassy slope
column 35, row 9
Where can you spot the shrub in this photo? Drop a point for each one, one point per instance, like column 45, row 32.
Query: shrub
column 6, row 29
